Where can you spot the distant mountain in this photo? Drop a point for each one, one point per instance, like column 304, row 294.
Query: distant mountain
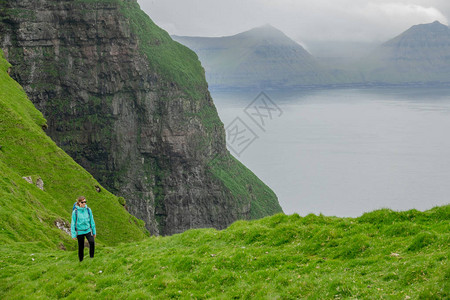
column 420, row 54
column 263, row 57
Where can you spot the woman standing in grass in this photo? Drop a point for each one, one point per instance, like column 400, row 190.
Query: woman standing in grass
column 82, row 226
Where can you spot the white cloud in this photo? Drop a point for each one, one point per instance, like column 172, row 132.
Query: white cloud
column 396, row 10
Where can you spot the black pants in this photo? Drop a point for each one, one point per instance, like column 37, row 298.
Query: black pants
column 91, row 241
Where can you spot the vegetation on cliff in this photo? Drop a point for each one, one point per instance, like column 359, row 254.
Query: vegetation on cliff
column 174, row 62
column 382, row 254
column 245, row 185
column 29, row 214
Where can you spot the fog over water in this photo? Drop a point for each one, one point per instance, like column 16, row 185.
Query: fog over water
column 347, row 151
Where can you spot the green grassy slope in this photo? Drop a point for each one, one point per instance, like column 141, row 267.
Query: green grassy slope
column 28, row 214
column 382, row 254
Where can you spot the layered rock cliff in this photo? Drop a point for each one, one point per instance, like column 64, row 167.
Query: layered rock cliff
column 133, row 108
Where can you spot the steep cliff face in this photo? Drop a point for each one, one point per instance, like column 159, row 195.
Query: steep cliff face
column 133, row 108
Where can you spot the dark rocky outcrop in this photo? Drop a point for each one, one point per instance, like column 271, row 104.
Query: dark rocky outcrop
column 133, row 108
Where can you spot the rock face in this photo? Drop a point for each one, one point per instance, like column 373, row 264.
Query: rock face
column 39, row 182
column 133, row 108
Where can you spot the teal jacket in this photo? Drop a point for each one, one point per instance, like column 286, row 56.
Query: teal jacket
column 82, row 221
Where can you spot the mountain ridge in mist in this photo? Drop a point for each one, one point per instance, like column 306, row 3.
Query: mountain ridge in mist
column 262, row 57
column 265, row 58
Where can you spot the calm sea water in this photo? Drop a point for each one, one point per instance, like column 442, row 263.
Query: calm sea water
column 346, row 152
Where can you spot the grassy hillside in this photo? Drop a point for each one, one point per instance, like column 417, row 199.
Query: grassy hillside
column 29, row 214
column 382, row 254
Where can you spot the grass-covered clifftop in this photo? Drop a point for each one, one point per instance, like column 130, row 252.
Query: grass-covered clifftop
column 28, row 214
column 382, row 254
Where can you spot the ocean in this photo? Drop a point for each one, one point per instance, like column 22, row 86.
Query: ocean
column 343, row 152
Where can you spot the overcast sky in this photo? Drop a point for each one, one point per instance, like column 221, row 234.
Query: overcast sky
column 302, row 20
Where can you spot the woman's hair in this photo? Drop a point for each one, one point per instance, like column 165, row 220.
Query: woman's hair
column 79, row 199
